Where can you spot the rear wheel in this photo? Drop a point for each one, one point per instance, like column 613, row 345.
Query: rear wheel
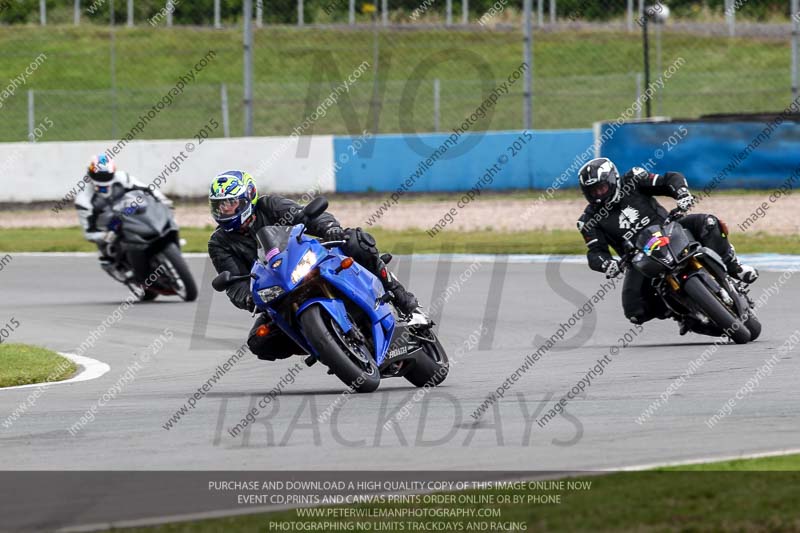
column 432, row 366
column 722, row 317
column 348, row 358
column 178, row 271
column 753, row 325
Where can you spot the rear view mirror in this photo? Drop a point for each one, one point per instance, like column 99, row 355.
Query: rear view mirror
column 316, row 207
column 222, row 281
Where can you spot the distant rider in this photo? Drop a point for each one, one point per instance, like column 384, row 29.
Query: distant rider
column 620, row 206
column 240, row 213
column 107, row 185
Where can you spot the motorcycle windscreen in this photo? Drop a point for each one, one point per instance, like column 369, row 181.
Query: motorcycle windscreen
column 270, row 237
column 655, row 256
column 679, row 239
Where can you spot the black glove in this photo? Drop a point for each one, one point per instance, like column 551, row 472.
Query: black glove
column 612, row 268
column 334, row 233
column 685, row 199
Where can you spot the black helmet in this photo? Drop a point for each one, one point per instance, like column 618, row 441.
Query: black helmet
column 599, row 180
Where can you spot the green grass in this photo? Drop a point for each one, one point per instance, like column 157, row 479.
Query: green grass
column 730, row 496
column 559, row 242
column 23, row 365
column 580, row 77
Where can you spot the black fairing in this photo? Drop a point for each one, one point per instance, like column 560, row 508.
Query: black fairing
column 144, row 220
column 661, row 257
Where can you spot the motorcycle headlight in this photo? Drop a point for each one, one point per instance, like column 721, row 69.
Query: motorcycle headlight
column 304, row 266
column 270, row 293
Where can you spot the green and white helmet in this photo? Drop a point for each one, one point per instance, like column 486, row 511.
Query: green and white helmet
column 232, row 198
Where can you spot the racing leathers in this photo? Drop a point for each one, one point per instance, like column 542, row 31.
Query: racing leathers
column 236, row 251
column 633, row 209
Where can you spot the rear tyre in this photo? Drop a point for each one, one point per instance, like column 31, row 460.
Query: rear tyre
column 753, row 325
column 189, row 291
column 716, row 311
column 149, row 295
column 350, row 363
column 431, row 367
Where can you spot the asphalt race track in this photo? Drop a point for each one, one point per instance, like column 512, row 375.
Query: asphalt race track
column 58, row 300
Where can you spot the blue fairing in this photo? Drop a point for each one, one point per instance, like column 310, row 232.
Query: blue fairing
column 355, row 284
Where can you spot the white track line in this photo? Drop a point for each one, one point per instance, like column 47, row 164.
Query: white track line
column 210, row 515
column 714, row 459
column 92, row 369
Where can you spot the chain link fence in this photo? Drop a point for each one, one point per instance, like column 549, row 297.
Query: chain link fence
column 410, row 71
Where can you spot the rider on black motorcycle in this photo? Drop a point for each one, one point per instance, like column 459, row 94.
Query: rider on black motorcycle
column 240, row 213
column 108, row 184
column 621, row 206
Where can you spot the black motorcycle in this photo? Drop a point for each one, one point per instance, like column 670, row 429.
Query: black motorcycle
column 146, row 253
column 693, row 282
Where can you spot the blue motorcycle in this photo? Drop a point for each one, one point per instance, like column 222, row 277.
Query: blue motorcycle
column 337, row 311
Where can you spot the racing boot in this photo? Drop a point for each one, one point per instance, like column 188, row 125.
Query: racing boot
column 404, row 301
column 736, row 269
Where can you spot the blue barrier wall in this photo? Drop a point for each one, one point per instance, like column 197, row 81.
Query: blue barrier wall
column 707, row 148
column 390, row 160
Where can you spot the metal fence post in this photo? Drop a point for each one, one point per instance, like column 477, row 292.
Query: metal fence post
column 630, row 15
column 552, row 11
column 464, row 11
column 43, row 12
column 638, row 95
column 351, row 12
column 76, row 15
column 170, row 9
column 226, row 125
column 300, row 10
column 385, row 12
column 259, row 13
column 436, row 117
column 539, row 12
column 449, row 16
column 795, row 13
column 527, row 105
column 248, row 66
column 130, row 14
column 217, row 15
column 730, row 17
column 31, row 115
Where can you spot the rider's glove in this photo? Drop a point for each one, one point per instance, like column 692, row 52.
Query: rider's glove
column 685, row 200
column 109, row 237
column 611, row 268
column 334, row 233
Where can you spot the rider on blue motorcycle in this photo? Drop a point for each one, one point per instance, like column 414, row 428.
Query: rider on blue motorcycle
column 240, row 213
column 621, row 206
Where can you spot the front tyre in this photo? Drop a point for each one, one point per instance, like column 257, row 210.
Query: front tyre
column 350, row 361
column 180, row 276
column 716, row 311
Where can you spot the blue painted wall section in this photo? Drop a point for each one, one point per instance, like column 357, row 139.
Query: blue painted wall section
column 391, row 159
column 708, row 148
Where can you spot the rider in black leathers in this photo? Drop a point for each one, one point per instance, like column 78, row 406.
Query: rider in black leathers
column 620, row 206
column 233, row 248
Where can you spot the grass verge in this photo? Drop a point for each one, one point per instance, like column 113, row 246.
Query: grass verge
column 559, row 242
column 743, row 495
column 24, row 365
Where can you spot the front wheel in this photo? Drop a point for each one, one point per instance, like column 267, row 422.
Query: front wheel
column 180, row 277
column 716, row 311
column 346, row 357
